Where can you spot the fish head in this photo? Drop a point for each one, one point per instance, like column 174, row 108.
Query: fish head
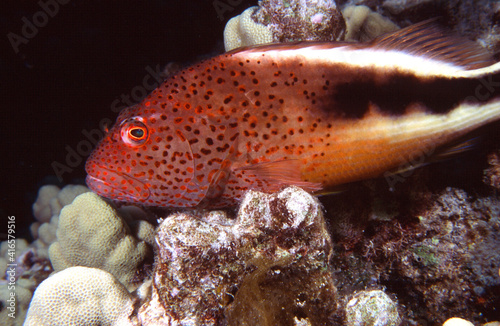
column 142, row 160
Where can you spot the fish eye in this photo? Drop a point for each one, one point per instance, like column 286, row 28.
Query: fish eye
column 137, row 133
column 134, row 132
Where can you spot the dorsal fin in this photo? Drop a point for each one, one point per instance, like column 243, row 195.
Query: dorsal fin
column 429, row 39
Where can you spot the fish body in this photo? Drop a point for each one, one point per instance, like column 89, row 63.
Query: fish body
column 315, row 115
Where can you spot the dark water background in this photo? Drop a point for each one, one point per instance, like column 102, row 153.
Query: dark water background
column 66, row 77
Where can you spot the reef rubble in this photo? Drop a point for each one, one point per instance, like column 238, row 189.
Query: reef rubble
column 267, row 266
column 279, row 262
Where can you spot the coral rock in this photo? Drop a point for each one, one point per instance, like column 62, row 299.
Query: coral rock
column 299, row 20
column 478, row 20
column 285, row 21
column 397, row 7
column 450, row 263
column 436, row 249
column 372, row 308
column 79, row 296
column 492, row 174
column 269, row 266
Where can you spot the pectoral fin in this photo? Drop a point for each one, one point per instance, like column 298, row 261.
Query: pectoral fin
column 277, row 174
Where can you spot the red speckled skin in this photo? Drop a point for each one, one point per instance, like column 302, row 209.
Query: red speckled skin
column 210, row 129
column 226, row 109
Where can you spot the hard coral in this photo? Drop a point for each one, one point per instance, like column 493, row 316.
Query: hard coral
column 46, row 209
column 457, row 322
column 242, row 30
column 364, row 25
column 285, row 21
column 31, row 262
column 92, row 233
column 51, row 199
column 14, row 308
column 269, row 266
column 18, row 282
column 79, row 296
column 372, row 308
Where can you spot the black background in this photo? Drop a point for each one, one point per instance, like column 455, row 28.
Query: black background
column 65, row 79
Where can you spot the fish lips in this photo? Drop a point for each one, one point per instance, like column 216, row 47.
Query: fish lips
column 118, row 186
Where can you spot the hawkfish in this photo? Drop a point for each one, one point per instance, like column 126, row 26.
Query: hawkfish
column 313, row 115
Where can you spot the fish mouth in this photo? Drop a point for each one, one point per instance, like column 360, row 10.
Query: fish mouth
column 118, row 186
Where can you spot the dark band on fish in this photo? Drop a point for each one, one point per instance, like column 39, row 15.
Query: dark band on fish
column 394, row 93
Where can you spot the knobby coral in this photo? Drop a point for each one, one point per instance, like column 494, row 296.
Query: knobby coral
column 92, row 233
column 79, row 296
column 364, row 25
